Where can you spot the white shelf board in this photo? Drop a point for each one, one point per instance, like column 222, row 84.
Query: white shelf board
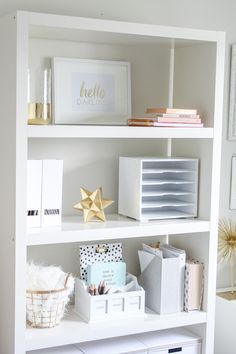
column 73, row 229
column 73, row 330
column 99, row 131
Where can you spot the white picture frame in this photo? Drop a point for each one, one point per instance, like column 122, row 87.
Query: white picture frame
column 232, row 203
column 232, row 96
column 89, row 91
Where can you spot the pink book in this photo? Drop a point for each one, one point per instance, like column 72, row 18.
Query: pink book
column 178, row 120
column 174, row 115
column 171, row 110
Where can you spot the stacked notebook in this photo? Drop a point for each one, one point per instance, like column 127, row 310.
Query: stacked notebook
column 193, row 285
column 168, row 117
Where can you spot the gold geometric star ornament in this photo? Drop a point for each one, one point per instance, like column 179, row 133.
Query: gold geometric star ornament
column 93, row 204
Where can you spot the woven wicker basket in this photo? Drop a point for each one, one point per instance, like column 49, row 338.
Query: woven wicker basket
column 45, row 309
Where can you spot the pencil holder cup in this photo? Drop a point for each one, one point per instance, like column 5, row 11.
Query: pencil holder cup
column 39, row 96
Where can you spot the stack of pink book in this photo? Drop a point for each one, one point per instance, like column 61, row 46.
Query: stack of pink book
column 168, row 117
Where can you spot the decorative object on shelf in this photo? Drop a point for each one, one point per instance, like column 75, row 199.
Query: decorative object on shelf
column 227, row 252
column 39, row 96
column 93, row 204
column 160, row 188
column 232, row 96
column 98, row 253
column 233, row 183
column 47, row 294
column 91, row 91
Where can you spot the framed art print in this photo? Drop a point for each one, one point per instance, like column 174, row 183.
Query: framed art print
column 232, row 204
column 91, row 91
column 232, row 95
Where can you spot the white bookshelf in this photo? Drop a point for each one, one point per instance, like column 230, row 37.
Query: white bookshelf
column 189, row 64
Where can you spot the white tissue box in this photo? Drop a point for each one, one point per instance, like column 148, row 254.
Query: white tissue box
column 110, row 306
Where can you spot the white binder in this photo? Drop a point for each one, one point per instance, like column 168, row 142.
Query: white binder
column 34, row 190
column 52, row 192
column 160, row 280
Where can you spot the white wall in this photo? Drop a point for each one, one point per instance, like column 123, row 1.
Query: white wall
column 205, row 14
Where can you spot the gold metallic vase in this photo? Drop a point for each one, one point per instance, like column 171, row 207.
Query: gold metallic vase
column 39, row 113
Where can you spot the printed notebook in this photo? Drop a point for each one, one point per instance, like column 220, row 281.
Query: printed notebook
column 112, row 273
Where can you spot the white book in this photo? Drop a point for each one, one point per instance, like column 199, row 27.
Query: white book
column 34, row 190
column 52, row 192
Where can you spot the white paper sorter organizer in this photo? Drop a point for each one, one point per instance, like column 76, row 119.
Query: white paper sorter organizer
column 111, row 306
column 158, row 188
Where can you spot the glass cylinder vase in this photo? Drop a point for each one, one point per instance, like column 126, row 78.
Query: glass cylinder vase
column 39, row 96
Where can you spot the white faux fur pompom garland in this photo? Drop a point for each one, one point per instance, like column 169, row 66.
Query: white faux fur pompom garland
column 40, row 277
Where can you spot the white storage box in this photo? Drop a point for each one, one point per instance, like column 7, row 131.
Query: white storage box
column 171, row 341
column 158, row 188
column 103, row 307
column 121, row 345
column 67, row 349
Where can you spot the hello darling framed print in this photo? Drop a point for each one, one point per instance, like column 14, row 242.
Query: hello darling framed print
column 91, row 91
